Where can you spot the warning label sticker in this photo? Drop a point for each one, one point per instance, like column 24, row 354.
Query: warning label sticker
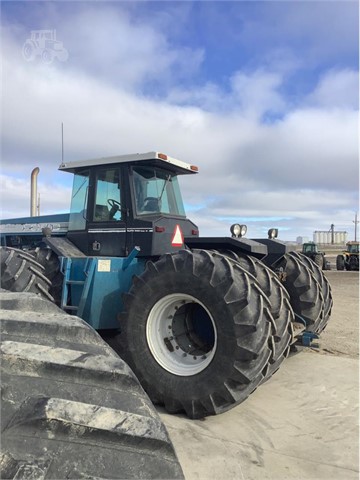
column 178, row 237
column 104, row 265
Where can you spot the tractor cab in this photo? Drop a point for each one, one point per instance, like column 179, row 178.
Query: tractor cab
column 126, row 201
column 310, row 247
column 43, row 35
column 353, row 247
column 349, row 259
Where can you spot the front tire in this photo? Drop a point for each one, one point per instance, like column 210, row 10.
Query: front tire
column 29, row 51
column 279, row 305
column 306, row 297
column 47, row 56
column 319, row 260
column 20, row 272
column 325, row 289
column 50, row 261
column 196, row 332
column 340, row 263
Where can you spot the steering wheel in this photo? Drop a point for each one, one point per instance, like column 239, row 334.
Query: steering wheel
column 114, row 204
column 115, row 207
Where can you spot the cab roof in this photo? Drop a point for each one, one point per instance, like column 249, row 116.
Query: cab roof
column 156, row 158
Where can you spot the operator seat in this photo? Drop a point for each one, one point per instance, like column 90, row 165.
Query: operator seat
column 101, row 213
column 151, row 204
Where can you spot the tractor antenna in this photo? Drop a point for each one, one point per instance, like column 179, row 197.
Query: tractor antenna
column 62, row 142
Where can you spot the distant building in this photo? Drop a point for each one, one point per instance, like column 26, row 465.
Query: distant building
column 301, row 240
column 329, row 238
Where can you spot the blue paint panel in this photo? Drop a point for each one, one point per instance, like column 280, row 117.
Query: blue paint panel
column 26, row 232
column 103, row 301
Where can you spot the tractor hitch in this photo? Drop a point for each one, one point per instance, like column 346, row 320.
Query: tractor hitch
column 307, row 338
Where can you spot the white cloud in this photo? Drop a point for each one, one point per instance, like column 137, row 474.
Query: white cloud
column 337, row 89
column 114, row 46
column 249, row 94
column 302, row 169
column 257, row 93
column 310, row 148
column 15, row 197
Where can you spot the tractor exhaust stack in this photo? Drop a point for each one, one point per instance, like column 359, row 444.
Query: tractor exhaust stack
column 33, row 194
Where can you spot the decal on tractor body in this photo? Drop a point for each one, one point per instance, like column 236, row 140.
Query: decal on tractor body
column 178, row 238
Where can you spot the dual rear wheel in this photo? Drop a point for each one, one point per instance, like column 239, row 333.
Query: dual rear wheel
column 200, row 332
column 203, row 329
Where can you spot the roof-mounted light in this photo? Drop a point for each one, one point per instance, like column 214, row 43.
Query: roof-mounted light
column 273, row 233
column 238, row 231
column 194, row 168
column 162, row 156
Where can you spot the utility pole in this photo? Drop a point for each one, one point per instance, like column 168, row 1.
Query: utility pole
column 356, row 221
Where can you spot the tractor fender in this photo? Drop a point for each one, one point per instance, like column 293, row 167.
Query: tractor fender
column 63, row 247
column 238, row 245
column 275, row 250
column 269, row 251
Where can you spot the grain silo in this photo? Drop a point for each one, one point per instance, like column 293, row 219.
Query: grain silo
column 332, row 237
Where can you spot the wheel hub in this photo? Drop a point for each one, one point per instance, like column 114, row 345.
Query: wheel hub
column 181, row 334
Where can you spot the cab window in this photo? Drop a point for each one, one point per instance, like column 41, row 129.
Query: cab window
column 156, row 191
column 79, row 200
column 107, row 196
column 354, row 248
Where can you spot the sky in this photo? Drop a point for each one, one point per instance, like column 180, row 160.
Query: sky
column 262, row 95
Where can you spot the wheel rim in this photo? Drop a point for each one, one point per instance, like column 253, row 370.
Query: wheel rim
column 181, row 334
column 27, row 51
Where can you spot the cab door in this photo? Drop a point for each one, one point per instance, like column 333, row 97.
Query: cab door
column 107, row 222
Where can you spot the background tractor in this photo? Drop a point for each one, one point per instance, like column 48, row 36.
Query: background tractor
column 43, row 44
column 310, row 250
column 202, row 321
column 349, row 259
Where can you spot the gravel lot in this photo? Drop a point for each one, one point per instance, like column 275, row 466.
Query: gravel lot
column 302, row 424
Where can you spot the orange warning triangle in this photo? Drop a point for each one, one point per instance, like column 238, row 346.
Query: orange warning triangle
column 178, row 238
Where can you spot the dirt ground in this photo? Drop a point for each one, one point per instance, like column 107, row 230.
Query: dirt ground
column 302, row 424
column 341, row 337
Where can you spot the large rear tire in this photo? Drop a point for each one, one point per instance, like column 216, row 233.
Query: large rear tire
column 325, row 289
column 20, row 272
column 50, row 261
column 71, row 408
column 196, row 332
column 306, row 297
column 279, row 305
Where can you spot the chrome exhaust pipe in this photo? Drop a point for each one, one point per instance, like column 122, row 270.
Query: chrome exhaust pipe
column 33, row 194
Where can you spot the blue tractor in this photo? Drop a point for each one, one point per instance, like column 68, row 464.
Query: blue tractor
column 202, row 321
